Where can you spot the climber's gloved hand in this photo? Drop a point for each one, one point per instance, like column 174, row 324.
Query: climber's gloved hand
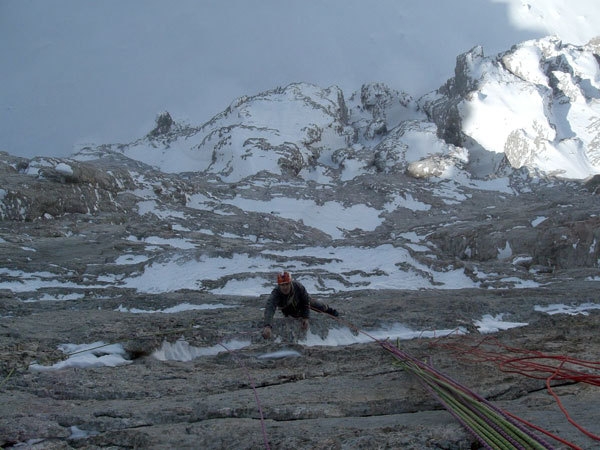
column 266, row 332
column 304, row 324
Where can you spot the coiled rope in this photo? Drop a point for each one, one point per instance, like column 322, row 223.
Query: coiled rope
column 493, row 427
column 531, row 364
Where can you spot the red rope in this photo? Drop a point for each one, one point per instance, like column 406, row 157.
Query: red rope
column 527, row 364
column 542, row 430
column 532, row 364
column 256, row 397
column 405, row 357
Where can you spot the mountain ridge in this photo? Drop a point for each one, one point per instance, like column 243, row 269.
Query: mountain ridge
column 517, row 99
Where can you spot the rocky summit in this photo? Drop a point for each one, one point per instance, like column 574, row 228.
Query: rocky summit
column 134, row 276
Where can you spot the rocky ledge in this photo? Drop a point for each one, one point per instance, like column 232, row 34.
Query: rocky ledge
column 325, row 397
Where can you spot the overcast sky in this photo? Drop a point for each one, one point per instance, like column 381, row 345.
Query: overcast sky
column 89, row 71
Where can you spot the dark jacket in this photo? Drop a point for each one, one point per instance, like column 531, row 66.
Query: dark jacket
column 296, row 304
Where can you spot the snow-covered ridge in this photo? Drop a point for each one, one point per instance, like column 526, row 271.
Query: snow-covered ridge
column 534, row 107
column 537, row 104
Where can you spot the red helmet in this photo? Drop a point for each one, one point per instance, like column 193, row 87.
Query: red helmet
column 284, row 277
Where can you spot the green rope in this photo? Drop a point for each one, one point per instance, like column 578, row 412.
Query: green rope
column 519, row 435
column 492, row 436
column 448, row 394
column 487, row 433
column 491, row 426
column 453, row 397
column 7, row 377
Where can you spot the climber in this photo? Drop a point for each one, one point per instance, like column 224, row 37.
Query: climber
column 293, row 300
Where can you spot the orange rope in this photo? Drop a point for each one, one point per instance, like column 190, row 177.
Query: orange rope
column 531, row 364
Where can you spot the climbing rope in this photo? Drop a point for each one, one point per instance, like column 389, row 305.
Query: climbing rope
column 130, row 338
column 531, row 364
column 256, row 397
column 7, row 377
column 493, row 427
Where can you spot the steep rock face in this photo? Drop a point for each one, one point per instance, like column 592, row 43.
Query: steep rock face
column 442, row 106
column 566, row 241
column 311, row 397
column 279, row 131
column 372, row 203
column 47, row 188
column 537, row 105
column 376, row 109
column 413, row 147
